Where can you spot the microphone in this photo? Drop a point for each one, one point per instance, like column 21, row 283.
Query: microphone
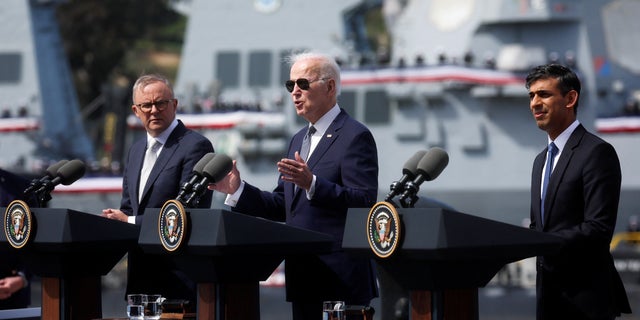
column 51, row 172
column 408, row 173
column 429, row 168
column 187, row 186
column 66, row 175
column 215, row 170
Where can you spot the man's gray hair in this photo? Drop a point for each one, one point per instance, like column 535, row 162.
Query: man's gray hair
column 148, row 79
column 329, row 68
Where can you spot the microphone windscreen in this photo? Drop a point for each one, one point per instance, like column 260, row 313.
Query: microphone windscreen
column 433, row 162
column 71, row 171
column 203, row 162
column 411, row 165
column 218, row 167
column 52, row 171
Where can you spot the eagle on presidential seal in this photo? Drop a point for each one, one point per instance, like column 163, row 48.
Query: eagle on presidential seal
column 383, row 234
column 171, row 227
column 17, row 224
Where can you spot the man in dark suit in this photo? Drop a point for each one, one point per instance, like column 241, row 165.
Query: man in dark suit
column 15, row 290
column 179, row 149
column 315, row 193
column 579, row 204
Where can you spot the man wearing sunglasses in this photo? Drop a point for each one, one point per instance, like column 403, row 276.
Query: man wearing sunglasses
column 317, row 187
column 149, row 184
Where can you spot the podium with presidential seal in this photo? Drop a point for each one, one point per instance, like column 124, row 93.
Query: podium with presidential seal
column 69, row 250
column 440, row 256
column 225, row 253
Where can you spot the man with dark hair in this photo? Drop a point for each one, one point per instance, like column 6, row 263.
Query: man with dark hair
column 575, row 189
column 15, row 291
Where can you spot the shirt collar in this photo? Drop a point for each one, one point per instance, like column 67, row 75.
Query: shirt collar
column 164, row 136
column 562, row 139
column 325, row 121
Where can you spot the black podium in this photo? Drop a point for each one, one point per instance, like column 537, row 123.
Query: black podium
column 70, row 250
column 444, row 256
column 228, row 253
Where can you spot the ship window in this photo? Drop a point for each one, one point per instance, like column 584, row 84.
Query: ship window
column 284, row 67
column 228, row 67
column 377, row 107
column 347, row 101
column 259, row 68
column 10, row 64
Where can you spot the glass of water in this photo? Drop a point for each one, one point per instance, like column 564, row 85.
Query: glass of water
column 153, row 307
column 333, row 310
column 135, row 306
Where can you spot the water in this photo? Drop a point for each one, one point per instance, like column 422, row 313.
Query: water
column 333, row 315
column 495, row 302
column 135, row 312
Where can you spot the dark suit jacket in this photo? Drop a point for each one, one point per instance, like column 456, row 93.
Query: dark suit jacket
column 148, row 273
column 581, row 207
column 346, row 167
column 11, row 188
column 9, row 265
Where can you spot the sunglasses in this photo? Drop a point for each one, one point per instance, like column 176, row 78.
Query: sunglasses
column 302, row 83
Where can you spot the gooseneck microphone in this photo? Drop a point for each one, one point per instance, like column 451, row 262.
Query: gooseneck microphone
column 66, row 175
column 215, row 170
column 429, row 168
column 408, row 173
column 187, row 186
column 51, row 173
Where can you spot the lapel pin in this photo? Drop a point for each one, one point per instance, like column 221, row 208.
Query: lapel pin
column 329, row 135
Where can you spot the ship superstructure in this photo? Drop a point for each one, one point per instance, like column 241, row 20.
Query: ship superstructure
column 451, row 76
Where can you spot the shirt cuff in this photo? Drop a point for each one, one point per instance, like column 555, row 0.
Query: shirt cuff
column 312, row 189
column 131, row 219
column 232, row 199
column 25, row 281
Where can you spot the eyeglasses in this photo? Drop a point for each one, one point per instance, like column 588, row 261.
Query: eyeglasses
column 301, row 82
column 160, row 105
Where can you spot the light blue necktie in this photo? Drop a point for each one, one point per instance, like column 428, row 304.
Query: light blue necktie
column 306, row 143
column 552, row 150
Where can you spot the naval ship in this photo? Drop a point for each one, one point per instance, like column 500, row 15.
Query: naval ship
column 444, row 73
column 448, row 74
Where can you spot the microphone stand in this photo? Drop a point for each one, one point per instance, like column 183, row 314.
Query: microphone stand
column 412, row 189
column 411, row 202
column 42, row 197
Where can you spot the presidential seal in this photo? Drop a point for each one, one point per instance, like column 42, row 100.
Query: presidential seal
column 18, row 223
column 172, row 225
column 383, row 229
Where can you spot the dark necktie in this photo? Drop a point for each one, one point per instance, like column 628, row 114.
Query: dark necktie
column 552, row 150
column 306, row 143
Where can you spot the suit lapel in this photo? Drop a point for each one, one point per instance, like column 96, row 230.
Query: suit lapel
column 331, row 135
column 168, row 149
column 561, row 167
column 133, row 175
column 536, row 186
column 322, row 148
